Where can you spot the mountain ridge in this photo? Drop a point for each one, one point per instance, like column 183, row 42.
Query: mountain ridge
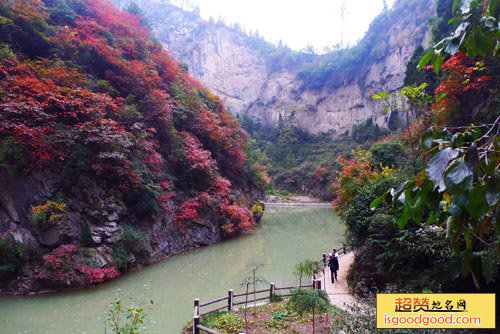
column 318, row 94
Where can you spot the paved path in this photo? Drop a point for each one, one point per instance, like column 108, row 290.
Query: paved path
column 339, row 292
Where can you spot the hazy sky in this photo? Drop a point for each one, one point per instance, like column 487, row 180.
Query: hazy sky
column 297, row 22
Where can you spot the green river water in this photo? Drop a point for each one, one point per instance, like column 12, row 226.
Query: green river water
column 285, row 237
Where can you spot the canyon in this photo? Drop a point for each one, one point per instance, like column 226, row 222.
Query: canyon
column 238, row 68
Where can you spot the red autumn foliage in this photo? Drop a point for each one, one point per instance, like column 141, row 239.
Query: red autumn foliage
column 62, row 266
column 197, row 157
column 97, row 275
column 239, row 217
column 188, row 212
column 236, row 218
column 465, row 82
column 320, row 175
column 30, row 10
column 351, row 178
column 125, row 105
column 35, row 96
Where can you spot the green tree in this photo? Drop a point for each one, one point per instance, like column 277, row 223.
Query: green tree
column 390, row 154
column 306, row 301
column 134, row 9
column 306, row 268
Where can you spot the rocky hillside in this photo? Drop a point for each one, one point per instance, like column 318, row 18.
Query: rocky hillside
column 111, row 156
column 318, row 94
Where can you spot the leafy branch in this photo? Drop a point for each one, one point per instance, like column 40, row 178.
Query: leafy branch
column 460, row 188
column 134, row 315
column 478, row 33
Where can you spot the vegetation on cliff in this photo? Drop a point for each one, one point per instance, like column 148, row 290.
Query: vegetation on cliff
column 339, row 68
column 87, row 96
column 301, row 163
column 443, row 189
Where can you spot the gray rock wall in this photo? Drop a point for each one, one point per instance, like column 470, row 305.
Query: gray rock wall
column 225, row 62
column 102, row 209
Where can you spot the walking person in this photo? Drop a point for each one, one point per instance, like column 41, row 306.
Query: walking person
column 333, row 263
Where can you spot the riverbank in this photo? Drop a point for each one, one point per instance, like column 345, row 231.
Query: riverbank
column 295, row 201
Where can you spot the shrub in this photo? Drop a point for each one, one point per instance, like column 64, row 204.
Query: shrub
column 355, row 174
column 230, row 323
column 130, row 242
column 134, row 315
column 280, row 315
column 11, row 157
column 11, row 254
column 305, row 301
column 278, row 320
column 367, row 131
column 276, row 298
column 130, row 113
column 258, row 211
column 85, row 237
column 49, row 214
column 389, row 154
column 64, row 266
column 358, row 215
column 145, row 201
column 210, row 320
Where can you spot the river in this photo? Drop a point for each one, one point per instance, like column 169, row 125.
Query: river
column 286, row 236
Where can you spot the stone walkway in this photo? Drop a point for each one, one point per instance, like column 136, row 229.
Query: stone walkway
column 339, row 292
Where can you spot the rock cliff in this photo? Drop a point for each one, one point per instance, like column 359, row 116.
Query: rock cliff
column 238, row 69
column 102, row 210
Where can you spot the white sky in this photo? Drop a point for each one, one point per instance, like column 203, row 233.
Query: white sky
column 297, row 22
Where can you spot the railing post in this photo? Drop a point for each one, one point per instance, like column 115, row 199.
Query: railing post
column 197, row 306
column 196, row 317
column 272, row 291
column 314, row 284
column 230, row 295
column 196, row 322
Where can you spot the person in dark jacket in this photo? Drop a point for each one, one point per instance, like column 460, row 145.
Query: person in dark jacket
column 333, row 263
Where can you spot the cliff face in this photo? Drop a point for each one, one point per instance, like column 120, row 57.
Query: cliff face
column 226, row 61
column 218, row 56
column 101, row 209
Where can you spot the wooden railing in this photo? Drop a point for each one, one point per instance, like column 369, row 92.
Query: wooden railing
column 230, row 301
